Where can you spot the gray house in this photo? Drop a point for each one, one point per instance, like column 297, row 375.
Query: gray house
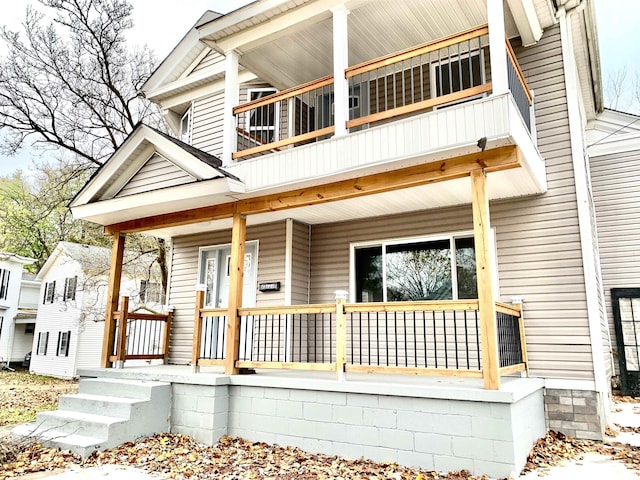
column 384, row 210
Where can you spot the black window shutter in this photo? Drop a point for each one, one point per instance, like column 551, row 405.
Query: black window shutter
column 66, row 350
column 59, row 340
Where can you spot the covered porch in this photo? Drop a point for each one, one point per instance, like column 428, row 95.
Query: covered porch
column 471, row 336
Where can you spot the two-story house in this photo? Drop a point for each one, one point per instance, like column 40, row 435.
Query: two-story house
column 16, row 328
column 69, row 326
column 395, row 194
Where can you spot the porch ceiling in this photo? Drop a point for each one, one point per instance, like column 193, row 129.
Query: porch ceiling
column 503, row 184
column 303, row 52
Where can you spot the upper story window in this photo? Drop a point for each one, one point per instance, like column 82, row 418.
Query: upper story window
column 186, row 125
column 4, row 283
column 150, row 292
column 49, row 292
column 441, row 268
column 262, row 123
column 70, row 286
column 456, row 73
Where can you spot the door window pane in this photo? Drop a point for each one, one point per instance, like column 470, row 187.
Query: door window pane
column 419, row 271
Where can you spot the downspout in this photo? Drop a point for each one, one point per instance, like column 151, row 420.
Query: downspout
column 586, row 226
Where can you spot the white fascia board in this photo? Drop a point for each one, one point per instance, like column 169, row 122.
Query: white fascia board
column 240, row 15
column 188, row 43
column 615, row 144
column 14, row 257
column 204, row 90
column 276, row 26
column 185, row 82
column 527, row 22
column 169, row 196
column 49, row 262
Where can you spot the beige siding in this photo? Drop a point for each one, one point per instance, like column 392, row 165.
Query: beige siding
column 616, row 191
column 300, row 267
column 538, row 238
column 211, row 59
column 208, row 120
column 156, row 173
column 184, row 277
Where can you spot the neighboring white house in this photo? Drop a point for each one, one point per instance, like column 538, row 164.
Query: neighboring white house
column 70, row 321
column 25, row 319
column 14, row 335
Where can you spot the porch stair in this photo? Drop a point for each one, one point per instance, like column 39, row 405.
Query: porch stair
column 104, row 413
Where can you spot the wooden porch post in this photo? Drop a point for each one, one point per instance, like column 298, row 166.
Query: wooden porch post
column 113, row 293
column 197, row 327
column 236, row 274
column 123, row 319
column 484, row 273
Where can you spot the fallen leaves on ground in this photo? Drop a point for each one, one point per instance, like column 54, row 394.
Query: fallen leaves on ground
column 21, row 458
column 178, row 456
column 554, row 449
column 624, row 399
column 22, row 395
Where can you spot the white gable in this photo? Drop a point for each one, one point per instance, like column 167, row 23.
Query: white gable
column 156, row 173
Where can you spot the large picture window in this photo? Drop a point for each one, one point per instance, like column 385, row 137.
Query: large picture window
column 429, row 269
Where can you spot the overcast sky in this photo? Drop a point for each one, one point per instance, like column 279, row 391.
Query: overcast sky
column 162, row 23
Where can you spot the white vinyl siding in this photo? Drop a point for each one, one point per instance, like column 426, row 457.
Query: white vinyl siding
column 156, row 173
column 212, row 58
column 184, row 277
column 616, row 190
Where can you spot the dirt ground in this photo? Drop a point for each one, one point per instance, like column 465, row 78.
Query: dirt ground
column 22, row 395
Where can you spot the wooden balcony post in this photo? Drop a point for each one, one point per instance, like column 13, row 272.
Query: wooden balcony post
column 113, row 292
column 341, row 334
column 123, row 318
column 484, row 273
column 518, row 303
column 197, row 327
column 238, row 236
column 166, row 335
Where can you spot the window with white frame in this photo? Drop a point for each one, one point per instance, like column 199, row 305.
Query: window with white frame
column 64, row 339
column 453, row 74
column 186, row 125
column 4, row 283
column 262, row 122
column 438, row 268
column 49, row 292
column 151, row 292
column 43, row 340
column 70, row 286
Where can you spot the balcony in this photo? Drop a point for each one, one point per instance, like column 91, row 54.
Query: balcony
column 436, row 75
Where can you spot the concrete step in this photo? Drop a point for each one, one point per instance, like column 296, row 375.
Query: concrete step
column 107, row 405
column 82, row 445
column 80, row 423
column 106, row 413
column 114, row 387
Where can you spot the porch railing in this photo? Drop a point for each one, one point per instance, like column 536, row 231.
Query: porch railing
column 433, row 75
column 140, row 336
column 419, row 338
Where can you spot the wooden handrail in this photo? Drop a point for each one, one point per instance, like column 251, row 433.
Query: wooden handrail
column 290, row 309
column 417, row 50
column 514, row 61
column 508, row 308
column 213, row 312
column 424, row 305
column 284, row 94
column 284, row 142
column 143, row 316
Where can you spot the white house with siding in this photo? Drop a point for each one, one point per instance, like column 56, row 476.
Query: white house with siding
column 393, row 194
column 69, row 327
column 16, row 330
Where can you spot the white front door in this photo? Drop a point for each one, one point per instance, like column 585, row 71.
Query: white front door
column 215, row 269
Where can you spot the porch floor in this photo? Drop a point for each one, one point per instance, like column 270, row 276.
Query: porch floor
column 448, row 388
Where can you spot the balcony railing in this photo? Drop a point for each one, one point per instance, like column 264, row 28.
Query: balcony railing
column 419, row 338
column 140, row 336
column 434, row 75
